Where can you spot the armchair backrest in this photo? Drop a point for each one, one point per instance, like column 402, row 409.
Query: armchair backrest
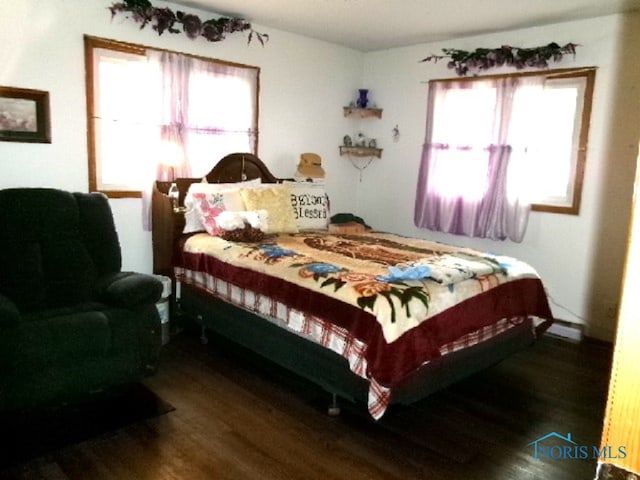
column 54, row 245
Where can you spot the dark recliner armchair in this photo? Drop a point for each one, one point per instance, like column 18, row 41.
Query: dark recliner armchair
column 70, row 321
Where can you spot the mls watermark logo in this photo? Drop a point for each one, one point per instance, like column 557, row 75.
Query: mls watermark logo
column 563, row 447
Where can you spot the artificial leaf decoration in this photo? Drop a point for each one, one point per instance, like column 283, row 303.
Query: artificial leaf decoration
column 191, row 24
column 139, row 3
column 463, row 61
column 166, row 20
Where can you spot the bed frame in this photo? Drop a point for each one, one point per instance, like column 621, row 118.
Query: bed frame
column 168, row 220
column 301, row 356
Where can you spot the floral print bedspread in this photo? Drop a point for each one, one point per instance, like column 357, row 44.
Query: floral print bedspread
column 401, row 281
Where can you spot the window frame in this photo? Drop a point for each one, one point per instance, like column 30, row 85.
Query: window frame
column 589, row 74
column 91, row 43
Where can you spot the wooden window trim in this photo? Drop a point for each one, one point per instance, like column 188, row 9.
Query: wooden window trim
column 551, row 73
column 581, row 160
column 590, row 74
column 90, row 44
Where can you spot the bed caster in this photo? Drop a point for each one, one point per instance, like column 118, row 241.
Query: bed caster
column 203, row 336
column 334, row 408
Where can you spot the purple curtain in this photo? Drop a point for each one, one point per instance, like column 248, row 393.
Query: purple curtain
column 198, row 116
column 174, row 70
column 463, row 181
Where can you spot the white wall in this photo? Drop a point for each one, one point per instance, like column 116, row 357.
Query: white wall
column 303, row 85
column 580, row 258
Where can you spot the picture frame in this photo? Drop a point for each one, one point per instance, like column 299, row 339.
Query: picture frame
column 24, row 115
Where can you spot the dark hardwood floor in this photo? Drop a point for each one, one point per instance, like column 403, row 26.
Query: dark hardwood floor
column 237, row 417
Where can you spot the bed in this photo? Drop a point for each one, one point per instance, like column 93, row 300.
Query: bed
column 372, row 317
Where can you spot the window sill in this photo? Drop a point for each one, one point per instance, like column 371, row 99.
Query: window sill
column 121, row 193
column 566, row 210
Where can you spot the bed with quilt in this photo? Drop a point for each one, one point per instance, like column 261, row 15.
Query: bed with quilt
column 370, row 316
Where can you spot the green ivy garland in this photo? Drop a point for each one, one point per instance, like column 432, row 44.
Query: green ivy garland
column 463, row 61
column 166, row 20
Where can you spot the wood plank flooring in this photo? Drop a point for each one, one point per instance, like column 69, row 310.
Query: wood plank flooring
column 237, row 417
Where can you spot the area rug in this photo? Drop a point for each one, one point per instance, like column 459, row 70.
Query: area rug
column 28, row 435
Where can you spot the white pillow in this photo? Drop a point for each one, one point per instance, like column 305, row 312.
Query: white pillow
column 231, row 200
column 310, row 204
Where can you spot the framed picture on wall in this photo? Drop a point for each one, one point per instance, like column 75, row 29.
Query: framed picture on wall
column 24, row 115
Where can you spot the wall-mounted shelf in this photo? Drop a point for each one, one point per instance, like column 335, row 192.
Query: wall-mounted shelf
column 361, row 151
column 362, row 112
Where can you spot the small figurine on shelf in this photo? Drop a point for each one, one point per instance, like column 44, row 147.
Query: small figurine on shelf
column 373, row 143
column 395, row 133
column 347, row 141
column 362, row 140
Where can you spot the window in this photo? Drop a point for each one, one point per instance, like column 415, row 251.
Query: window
column 155, row 114
column 555, row 166
column 542, row 118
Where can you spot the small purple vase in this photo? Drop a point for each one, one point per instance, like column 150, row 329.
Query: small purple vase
column 362, row 99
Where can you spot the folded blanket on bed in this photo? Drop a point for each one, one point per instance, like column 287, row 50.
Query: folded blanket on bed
column 446, row 269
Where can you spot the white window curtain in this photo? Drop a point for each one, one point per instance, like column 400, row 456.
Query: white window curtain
column 173, row 71
column 205, row 110
column 473, row 159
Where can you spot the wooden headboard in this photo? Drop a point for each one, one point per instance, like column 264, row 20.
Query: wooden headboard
column 168, row 223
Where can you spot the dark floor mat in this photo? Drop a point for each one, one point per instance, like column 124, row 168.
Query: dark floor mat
column 28, row 435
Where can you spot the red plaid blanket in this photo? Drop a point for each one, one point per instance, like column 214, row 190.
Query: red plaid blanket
column 325, row 333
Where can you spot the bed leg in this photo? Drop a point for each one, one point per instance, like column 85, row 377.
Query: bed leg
column 203, row 335
column 334, row 408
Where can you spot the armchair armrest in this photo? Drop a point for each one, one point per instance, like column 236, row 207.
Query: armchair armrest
column 9, row 313
column 129, row 289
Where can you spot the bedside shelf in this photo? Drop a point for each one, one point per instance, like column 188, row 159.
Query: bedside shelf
column 361, row 151
column 362, row 112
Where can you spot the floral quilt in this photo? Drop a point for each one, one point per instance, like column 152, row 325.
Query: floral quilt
column 401, row 282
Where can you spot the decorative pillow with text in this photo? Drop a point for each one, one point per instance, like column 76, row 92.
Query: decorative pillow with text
column 310, row 204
